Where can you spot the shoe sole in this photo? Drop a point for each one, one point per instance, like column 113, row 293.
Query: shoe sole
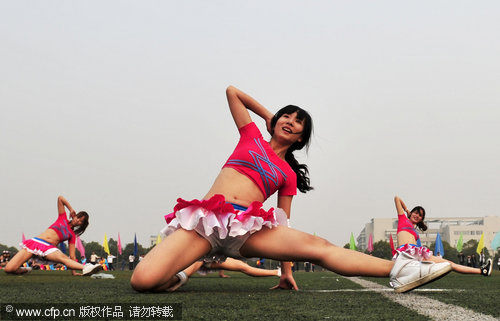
column 96, row 269
column 425, row 280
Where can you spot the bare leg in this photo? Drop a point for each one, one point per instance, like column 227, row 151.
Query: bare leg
column 190, row 270
column 175, row 253
column 59, row 256
column 222, row 275
column 456, row 267
column 14, row 265
column 240, row 266
column 286, row 244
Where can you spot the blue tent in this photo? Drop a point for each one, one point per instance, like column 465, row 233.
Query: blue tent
column 439, row 249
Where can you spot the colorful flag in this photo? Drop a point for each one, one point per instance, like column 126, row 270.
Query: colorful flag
column 352, row 244
column 135, row 245
column 438, row 247
column 119, row 245
column 480, row 245
column 105, row 244
column 460, row 243
column 24, row 238
column 391, row 242
column 370, row 243
column 62, row 247
column 158, row 239
column 79, row 246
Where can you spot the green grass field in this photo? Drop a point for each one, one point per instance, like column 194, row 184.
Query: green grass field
column 245, row 298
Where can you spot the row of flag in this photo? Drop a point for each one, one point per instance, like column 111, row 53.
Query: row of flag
column 438, row 249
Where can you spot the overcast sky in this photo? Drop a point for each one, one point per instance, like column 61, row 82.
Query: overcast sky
column 120, row 107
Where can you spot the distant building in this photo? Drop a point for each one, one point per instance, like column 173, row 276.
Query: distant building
column 450, row 229
column 152, row 240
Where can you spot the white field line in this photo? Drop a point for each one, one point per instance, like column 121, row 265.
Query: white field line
column 434, row 309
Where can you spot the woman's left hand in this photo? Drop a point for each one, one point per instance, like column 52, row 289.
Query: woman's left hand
column 286, row 283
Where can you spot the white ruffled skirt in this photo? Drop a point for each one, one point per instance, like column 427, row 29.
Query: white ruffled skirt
column 225, row 227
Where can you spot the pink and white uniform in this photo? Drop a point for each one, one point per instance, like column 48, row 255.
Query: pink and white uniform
column 227, row 226
column 255, row 158
column 416, row 251
column 41, row 247
column 63, row 230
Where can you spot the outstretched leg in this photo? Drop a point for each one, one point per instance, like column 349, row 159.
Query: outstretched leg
column 240, row 266
column 14, row 265
column 286, row 244
column 60, row 257
column 457, row 267
column 175, row 253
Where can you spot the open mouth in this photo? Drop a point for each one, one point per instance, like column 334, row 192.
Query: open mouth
column 286, row 129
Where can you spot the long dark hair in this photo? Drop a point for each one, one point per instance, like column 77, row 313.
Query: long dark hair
column 81, row 228
column 419, row 209
column 303, row 182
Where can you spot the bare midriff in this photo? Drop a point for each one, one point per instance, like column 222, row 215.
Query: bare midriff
column 236, row 187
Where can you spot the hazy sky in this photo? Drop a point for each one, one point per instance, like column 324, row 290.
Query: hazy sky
column 120, row 107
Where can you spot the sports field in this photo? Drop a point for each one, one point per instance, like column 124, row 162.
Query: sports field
column 322, row 296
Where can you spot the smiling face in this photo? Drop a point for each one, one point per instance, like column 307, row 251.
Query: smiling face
column 293, row 124
column 289, row 127
column 417, row 215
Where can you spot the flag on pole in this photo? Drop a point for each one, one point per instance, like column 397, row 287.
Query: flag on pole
column 460, row 243
column 135, row 245
column 391, row 242
column 370, row 243
column 62, row 246
column 438, row 247
column 105, row 244
column 119, row 245
column 79, row 246
column 480, row 245
column 352, row 244
column 158, row 239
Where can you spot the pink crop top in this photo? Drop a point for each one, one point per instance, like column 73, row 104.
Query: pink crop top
column 404, row 224
column 63, row 230
column 255, row 158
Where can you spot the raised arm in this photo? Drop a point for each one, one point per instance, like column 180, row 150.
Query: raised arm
column 240, row 103
column 400, row 205
column 62, row 203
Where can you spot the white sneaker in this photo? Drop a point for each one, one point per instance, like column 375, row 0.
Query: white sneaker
column 183, row 278
column 89, row 269
column 408, row 273
column 278, row 272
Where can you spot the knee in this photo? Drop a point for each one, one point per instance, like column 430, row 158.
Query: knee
column 140, row 283
column 10, row 268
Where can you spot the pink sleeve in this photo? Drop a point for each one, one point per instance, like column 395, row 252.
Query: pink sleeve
column 250, row 130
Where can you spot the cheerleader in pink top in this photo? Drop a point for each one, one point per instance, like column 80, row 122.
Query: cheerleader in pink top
column 45, row 244
column 408, row 222
column 230, row 221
